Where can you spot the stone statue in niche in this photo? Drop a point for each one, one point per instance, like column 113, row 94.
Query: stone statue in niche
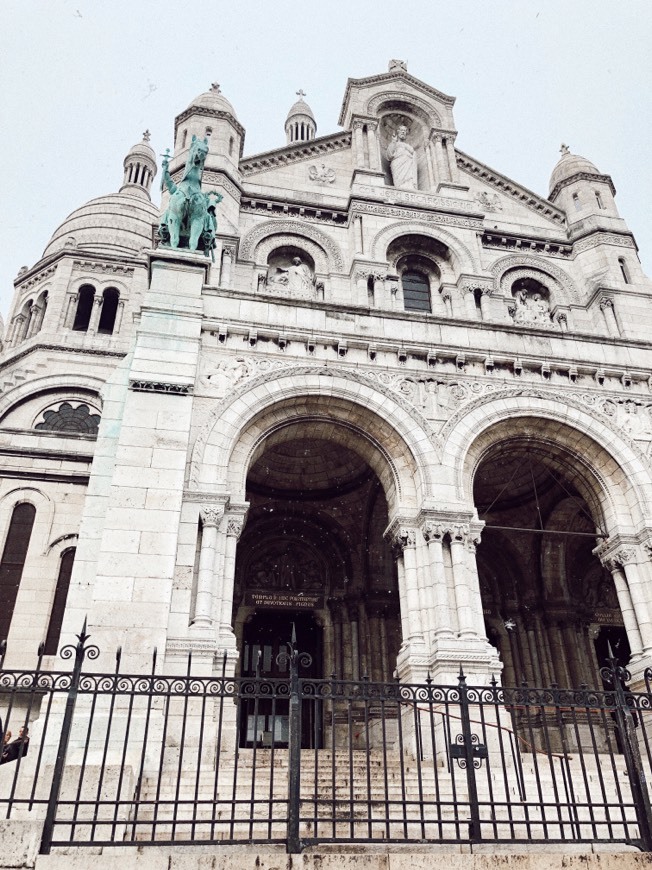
column 297, row 277
column 531, row 307
column 402, row 160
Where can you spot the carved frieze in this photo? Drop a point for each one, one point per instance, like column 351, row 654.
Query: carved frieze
column 603, row 239
column 321, row 174
column 489, row 201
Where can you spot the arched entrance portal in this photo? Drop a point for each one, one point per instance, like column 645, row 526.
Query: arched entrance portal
column 550, row 606
column 313, row 554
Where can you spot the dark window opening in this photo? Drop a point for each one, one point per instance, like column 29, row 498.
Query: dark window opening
column 598, row 199
column 13, row 562
column 416, row 291
column 85, row 299
column 59, row 603
column 370, row 290
column 110, row 299
column 623, row 269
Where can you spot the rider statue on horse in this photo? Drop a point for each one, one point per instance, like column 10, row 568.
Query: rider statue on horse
column 189, row 221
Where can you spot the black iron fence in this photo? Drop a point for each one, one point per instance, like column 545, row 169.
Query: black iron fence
column 112, row 758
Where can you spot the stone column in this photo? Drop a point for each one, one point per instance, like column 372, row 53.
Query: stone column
column 234, row 525
column 404, row 541
column 469, row 303
column 442, row 172
column 467, row 590
column 211, row 516
column 374, row 151
column 228, row 253
column 358, row 144
column 379, row 290
column 614, row 565
column 37, row 319
column 357, row 234
column 439, row 619
column 452, row 161
column 96, row 312
column 118, row 317
column 607, row 308
column 485, row 303
column 626, row 558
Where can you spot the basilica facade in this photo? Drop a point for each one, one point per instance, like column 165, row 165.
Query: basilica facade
column 402, row 403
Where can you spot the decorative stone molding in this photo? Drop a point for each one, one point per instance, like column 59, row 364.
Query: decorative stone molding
column 94, row 266
column 382, row 240
column 35, row 279
column 489, row 201
column 284, row 232
column 416, row 198
column 207, row 112
column 606, row 302
column 401, row 534
column 508, row 187
column 509, row 242
column 509, row 269
column 219, row 179
column 484, row 285
column 596, row 239
column 591, row 177
column 295, row 153
column 424, row 109
column 160, row 387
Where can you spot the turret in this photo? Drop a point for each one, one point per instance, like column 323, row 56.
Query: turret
column 140, row 169
column 578, row 187
column 300, row 124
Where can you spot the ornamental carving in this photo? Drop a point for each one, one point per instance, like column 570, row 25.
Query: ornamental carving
column 402, row 537
column 420, row 224
column 321, row 174
column 234, row 527
column 283, row 232
column 66, row 418
column 429, row 200
column 489, row 201
column 211, row 514
column 603, row 239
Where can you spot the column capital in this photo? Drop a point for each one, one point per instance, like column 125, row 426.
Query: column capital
column 617, row 550
column 211, row 514
column 402, row 533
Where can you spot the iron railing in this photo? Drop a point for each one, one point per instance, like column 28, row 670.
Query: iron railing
column 161, row 759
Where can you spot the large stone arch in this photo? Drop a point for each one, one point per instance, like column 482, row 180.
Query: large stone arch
column 56, row 383
column 464, row 261
column 326, row 253
column 611, row 473
column 395, row 441
column 529, row 265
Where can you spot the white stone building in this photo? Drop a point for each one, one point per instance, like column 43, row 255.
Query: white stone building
column 408, row 407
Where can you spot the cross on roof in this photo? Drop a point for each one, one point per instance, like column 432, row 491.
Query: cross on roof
column 147, row 136
column 564, row 149
column 215, row 87
column 301, row 94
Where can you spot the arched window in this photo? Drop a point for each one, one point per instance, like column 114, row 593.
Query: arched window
column 598, row 199
column 110, row 299
column 85, row 298
column 59, row 603
column 416, row 291
column 13, row 561
column 624, row 270
column 184, row 138
column 576, row 202
column 230, row 146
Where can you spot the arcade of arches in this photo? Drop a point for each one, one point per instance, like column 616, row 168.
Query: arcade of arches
column 314, row 554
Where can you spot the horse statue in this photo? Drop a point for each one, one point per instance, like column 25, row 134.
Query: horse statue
column 190, row 216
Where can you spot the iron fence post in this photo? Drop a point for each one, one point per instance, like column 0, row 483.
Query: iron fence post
column 294, row 752
column 470, row 759
column 80, row 651
column 619, row 676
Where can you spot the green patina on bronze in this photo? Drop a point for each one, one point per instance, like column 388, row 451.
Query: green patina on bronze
column 189, row 221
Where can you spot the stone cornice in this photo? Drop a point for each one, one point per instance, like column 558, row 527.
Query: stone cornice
column 581, row 176
column 526, row 245
column 507, row 186
column 396, row 75
column 295, row 153
column 45, row 267
column 265, row 205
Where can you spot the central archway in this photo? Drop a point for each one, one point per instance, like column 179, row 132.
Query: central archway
column 314, row 544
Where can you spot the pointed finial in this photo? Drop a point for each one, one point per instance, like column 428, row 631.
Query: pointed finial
column 215, row 87
column 564, row 149
column 147, row 136
column 301, row 93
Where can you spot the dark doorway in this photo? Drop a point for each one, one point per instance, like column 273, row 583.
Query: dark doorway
column 264, row 717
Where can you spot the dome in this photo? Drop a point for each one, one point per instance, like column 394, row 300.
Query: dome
column 569, row 165
column 120, row 223
column 215, row 100
column 142, row 150
column 301, row 108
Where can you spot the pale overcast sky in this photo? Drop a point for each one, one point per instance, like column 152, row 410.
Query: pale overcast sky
column 81, row 79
